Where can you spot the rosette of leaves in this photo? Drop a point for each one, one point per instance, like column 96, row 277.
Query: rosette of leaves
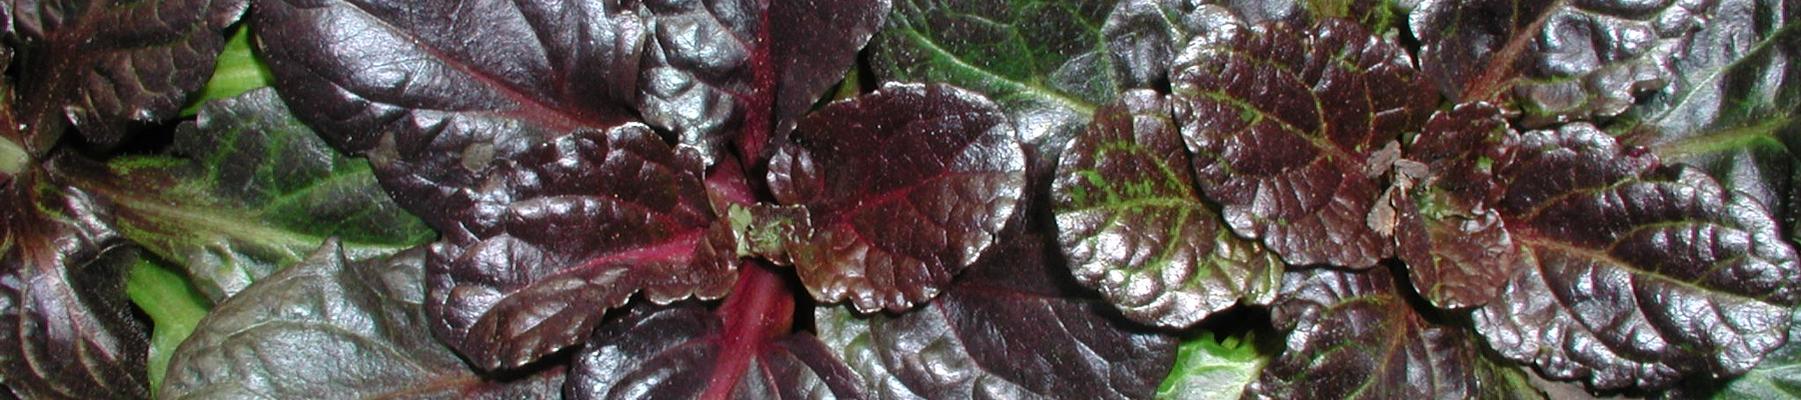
column 596, row 164
column 1325, row 143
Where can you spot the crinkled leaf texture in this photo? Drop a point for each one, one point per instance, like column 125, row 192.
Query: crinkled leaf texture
column 437, row 105
column 1729, row 107
column 1778, row 376
column 250, row 190
column 1457, row 249
column 66, row 327
column 1135, row 227
column 1562, row 59
column 725, row 70
column 552, row 202
column 1011, row 327
column 1352, row 335
column 1286, row 124
column 1639, row 273
column 583, row 223
column 108, row 66
column 683, row 351
column 904, row 187
column 707, row 71
column 333, row 328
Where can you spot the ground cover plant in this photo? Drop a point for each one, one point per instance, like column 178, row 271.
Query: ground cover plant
column 1177, row 199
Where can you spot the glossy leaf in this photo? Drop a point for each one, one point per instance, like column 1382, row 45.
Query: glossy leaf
column 1563, row 59
column 1009, row 328
column 250, row 190
column 1640, row 273
column 66, row 326
column 1287, row 140
column 1778, row 376
column 174, row 308
column 553, row 204
column 1136, row 229
column 238, row 71
column 105, row 67
column 905, row 187
column 1729, row 107
column 1353, row 336
column 1041, row 61
column 686, row 352
column 437, row 106
column 580, row 224
column 701, row 70
column 736, row 69
column 1211, row 369
column 1457, row 248
column 330, row 327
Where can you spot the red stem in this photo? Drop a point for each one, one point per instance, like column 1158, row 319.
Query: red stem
column 760, row 307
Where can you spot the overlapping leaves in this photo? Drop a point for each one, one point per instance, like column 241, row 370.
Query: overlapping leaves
column 1287, row 126
column 362, row 319
column 891, row 231
column 247, row 190
column 65, row 323
column 970, row 342
column 1671, row 274
column 577, row 156
column 1135, row 227
column 555, row 203
column 1353, row 336
column 103, row 68
column 685, row 351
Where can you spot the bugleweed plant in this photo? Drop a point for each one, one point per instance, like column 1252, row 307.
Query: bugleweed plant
column 899, row 199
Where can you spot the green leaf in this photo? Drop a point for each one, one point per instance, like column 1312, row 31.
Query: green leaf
column 174, row 306
column 1212, row 369
column 250, row 191
column 238, row 71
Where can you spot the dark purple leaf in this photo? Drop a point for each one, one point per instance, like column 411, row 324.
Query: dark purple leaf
column 905, row 187
column 66, row 327
column 1561, row 59
column 421, row 72
column 1135, row 228
column 1286, row 125
column 685, row 351
column 580, row 224
column 329, row 327
column 109, row 66
column 1457, row 248
column 1640, row 274
column 720, row 68
column 508, row 126
column 438, row 104
column 1353, row 336
column 1011, row 327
